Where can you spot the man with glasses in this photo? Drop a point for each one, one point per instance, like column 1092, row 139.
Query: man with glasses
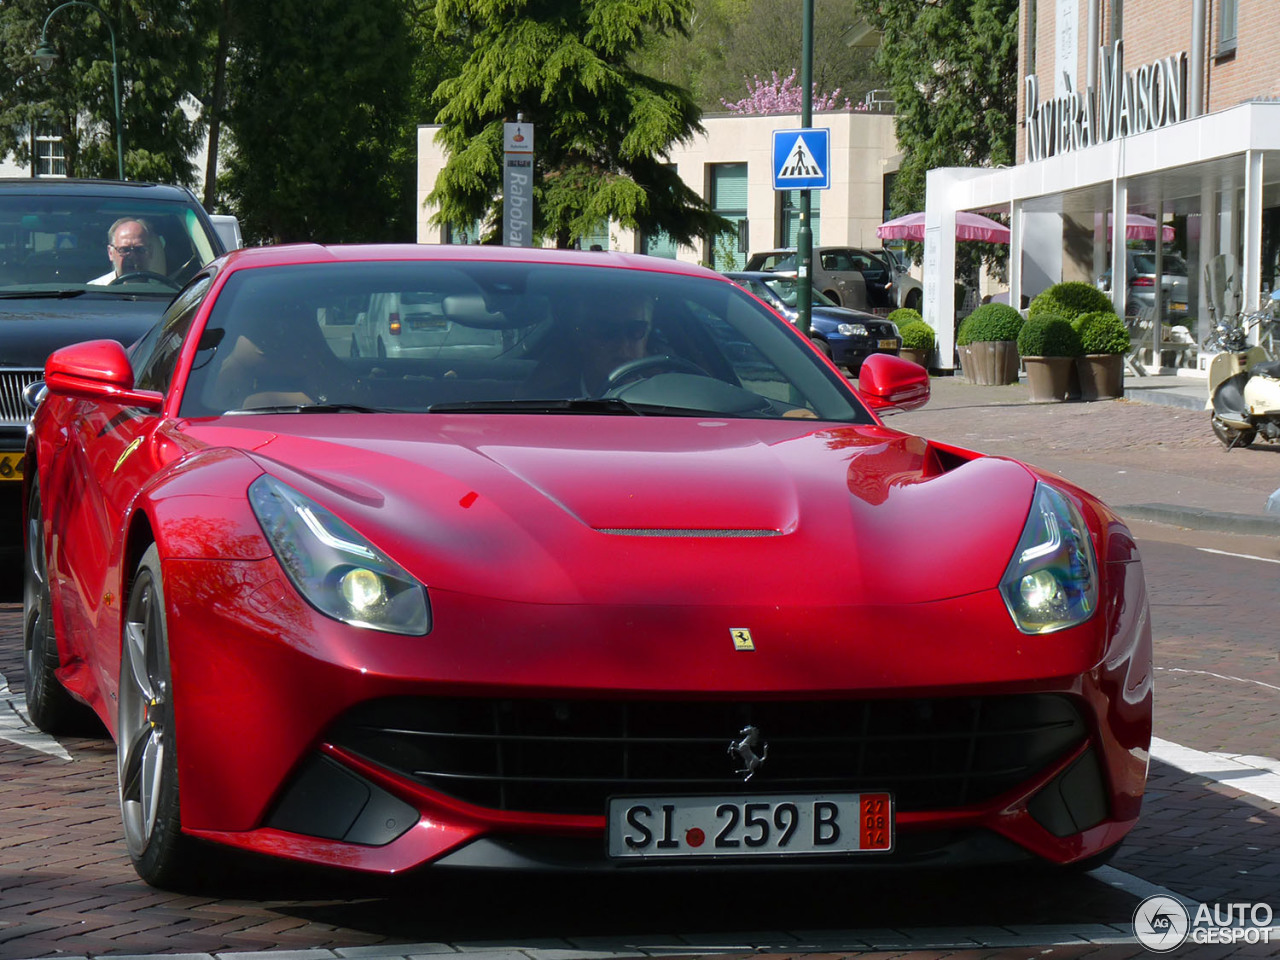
column 598, row 338
column 133, row 248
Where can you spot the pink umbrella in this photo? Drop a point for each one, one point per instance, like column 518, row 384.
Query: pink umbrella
column 969, row 226
column 1139, row 227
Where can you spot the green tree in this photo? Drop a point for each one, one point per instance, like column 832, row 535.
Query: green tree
column 602, row 126
column 317, row 101
column 159, row 50
column 952, row 67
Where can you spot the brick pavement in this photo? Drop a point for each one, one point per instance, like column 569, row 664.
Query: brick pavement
column 1124, row 451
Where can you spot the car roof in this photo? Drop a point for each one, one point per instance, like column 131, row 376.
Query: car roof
column 303, row 253
column 95, row 188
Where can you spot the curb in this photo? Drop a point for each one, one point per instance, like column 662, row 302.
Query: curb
column 1164, row 397
column 1258, row 525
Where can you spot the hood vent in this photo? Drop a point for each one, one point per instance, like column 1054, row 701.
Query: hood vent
column 664, row 532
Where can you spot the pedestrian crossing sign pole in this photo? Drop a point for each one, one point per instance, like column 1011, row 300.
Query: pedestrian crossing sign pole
column 802, row 159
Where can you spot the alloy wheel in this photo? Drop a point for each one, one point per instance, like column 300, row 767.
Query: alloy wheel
column 144, row 728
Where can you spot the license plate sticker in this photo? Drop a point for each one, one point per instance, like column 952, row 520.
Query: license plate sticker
column 888, row 344
column 11, row 466
column 777, row 825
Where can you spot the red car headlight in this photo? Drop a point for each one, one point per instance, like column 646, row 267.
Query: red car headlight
column 335, row 569
column 1052, row 581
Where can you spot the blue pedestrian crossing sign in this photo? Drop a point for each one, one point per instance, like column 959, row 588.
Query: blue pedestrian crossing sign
column 802, row 159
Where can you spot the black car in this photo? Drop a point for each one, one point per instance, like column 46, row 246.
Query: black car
column 847, row 336
column 58, row 286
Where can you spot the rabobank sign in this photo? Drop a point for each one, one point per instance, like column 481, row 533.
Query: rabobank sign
column 517, row 185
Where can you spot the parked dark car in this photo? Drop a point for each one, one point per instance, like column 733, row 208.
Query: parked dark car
column 848, row 276
column 847, row 336
column 57, row 288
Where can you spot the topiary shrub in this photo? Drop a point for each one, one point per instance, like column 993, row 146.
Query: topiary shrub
column 1049, row 335
column 991, row 321
column 916, row 334
column 1102, row 332
column 904, row 315
column 1070, row 300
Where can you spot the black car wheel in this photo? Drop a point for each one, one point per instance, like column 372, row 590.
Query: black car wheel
column 146, row 750
column 49, row 705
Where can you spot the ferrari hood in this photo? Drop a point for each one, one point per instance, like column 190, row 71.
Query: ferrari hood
column 577, row 509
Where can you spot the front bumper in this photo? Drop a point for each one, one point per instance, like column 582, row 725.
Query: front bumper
column 266, row 692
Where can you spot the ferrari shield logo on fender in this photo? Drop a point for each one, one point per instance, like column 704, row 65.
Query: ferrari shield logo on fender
column 742, row 638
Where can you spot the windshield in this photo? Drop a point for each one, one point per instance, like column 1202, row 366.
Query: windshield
column 52, row 243
column 787, row 290
column 440, row 336
column 1173, row 264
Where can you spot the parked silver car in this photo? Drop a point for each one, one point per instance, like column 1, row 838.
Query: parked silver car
column 1141, row 296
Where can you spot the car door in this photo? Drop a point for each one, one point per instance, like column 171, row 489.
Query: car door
column 839, row 279
column 111, row 453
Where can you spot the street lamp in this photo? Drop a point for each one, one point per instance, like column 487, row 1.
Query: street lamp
column 45, row 55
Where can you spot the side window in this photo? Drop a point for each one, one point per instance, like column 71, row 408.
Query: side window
column 157, row 356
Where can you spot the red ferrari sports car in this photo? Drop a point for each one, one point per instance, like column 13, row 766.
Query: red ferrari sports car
column 602, row 565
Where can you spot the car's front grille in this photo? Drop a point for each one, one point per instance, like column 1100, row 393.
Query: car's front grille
column 13, row 380
column 569, row 756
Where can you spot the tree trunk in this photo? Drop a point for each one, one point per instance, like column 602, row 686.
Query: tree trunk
column 215, row 108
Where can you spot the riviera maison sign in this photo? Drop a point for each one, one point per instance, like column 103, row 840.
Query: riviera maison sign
column 1153, row 96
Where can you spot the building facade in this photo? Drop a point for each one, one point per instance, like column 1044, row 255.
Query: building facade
column 730, row 165
column 1156, row 121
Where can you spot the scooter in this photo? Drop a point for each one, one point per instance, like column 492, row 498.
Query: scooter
column 1244, row 388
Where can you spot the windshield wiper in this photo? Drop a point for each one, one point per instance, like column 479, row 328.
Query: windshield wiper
column 312, row 408
column 605, row 405
column 41, row 294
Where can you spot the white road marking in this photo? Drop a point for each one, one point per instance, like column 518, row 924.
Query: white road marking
column 1242, row 556
column 16, row 726
column 1259, row 776
column 1136, row 887
column 1219, row 676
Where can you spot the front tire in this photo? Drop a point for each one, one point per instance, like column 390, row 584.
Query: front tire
column 50, row 707
column 146, row 751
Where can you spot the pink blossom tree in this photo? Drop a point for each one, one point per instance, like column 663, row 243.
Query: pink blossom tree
column 782, row 95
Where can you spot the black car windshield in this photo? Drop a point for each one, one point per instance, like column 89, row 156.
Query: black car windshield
column 504, row 337
column 53, row 242
column 787, row 290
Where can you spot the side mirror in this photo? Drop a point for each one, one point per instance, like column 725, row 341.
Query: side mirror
column 890, row 384
column 97, row 370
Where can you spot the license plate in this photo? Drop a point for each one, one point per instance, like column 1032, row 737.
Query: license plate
column 888, row 344
column 777, row 825
column 10, row 466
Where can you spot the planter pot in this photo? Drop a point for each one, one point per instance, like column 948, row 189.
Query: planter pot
column 1049, row 378
column 966, row 362
column 1101, row 376
column 995, row 362
column 916, row 356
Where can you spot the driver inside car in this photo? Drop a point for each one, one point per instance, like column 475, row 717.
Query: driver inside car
column 133, row 248
column 601, row 342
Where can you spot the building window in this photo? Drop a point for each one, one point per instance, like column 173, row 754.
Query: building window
column 464, row 235
column 789, row 216
column 597, row 238
column 49, row 155
column 728, row 189
column 1227, row 11
column 658, row 244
